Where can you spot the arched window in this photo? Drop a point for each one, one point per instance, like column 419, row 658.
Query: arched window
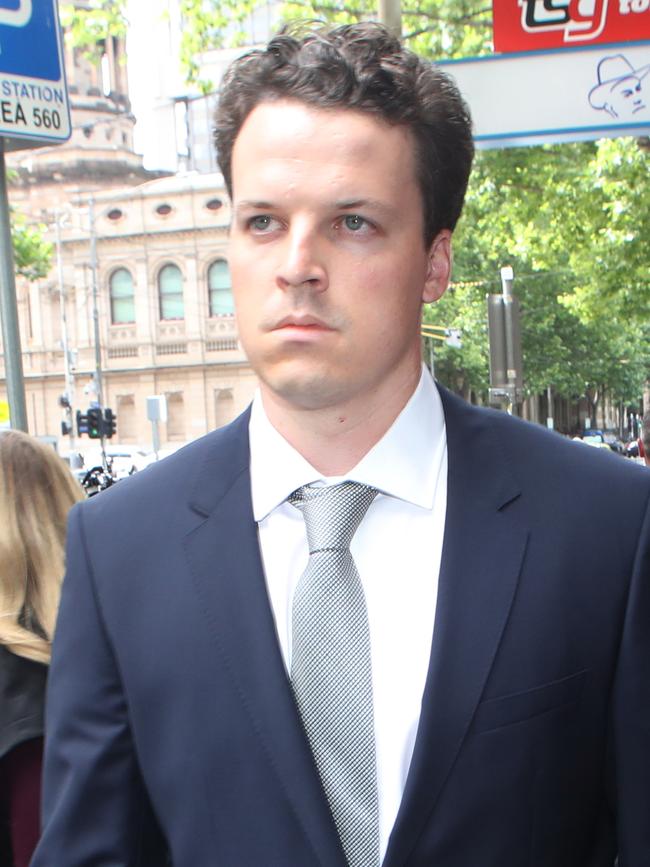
column 219, row 288
column 170, row 291
column 122, row 297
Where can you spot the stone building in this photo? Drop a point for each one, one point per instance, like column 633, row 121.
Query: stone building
column 143, row 265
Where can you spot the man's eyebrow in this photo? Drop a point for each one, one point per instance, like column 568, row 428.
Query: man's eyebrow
column 349, row 204
column 253, row 205
column 355, row 204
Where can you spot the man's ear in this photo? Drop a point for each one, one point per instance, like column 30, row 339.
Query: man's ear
column 439, row 267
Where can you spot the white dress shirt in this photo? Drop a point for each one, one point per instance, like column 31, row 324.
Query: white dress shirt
column 397, row 551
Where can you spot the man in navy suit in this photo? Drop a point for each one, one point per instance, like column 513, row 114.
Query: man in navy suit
column 505, row 572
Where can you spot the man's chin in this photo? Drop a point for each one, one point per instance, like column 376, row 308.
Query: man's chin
column 304, row 390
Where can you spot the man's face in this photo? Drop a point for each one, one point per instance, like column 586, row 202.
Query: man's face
column 328, row 263
column 626, row 97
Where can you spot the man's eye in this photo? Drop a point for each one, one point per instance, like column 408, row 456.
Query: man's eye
column 260, row 223
column 354, row 222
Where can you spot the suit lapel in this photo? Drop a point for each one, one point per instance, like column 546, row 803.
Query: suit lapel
column 224, row 556
column 484, row 543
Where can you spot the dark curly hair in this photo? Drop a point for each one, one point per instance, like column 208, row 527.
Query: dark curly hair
column 364, row 68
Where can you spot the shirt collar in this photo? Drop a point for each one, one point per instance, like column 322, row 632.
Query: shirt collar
column 405, row 463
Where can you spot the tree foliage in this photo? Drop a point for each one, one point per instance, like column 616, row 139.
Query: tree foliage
column 91, row 26
column 432, row 28
column 544, row 210
column 32, row 253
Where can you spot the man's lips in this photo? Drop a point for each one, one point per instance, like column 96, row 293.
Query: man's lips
column 301, row 322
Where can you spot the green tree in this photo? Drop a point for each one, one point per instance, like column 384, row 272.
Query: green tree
column 535, row 208
column 89, row 27
column 610, row 221
column 432, row 28
column 32, row 253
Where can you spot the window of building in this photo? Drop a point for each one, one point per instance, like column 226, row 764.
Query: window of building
column 224, row 403
column 221, row 303
column 175, row 416
column 170, row 292
column 122, row 297
column 126, row 419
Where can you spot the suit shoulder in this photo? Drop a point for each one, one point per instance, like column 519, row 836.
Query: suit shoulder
column 542, row 449
column 534, row 454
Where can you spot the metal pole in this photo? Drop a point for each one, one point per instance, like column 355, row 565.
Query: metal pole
column 98, row 347
column 390, row 15
column 9, row 310
column 93, row 268
column 550, row 423
column 155, row 437
column 507, row 277
column 69, row 381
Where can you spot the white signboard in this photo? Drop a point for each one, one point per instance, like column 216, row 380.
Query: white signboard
column 33, row 98
column 157, row 408
column 558, row 95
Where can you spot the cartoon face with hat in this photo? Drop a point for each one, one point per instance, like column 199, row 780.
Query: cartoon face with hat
column 619, row 91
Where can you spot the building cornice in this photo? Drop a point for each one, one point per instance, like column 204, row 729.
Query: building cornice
column 136, row 236
column 113, row 372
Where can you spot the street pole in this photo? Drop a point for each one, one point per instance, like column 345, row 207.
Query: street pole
column 507, row 277
column 98, row 349
column 69, row 381
column 155, row 437
column 390, row 15
column 550, row 423
column 9, row 310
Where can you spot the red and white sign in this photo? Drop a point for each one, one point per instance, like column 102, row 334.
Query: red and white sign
column 530, row 25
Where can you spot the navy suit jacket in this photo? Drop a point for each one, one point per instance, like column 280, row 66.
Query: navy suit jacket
column 171, row 719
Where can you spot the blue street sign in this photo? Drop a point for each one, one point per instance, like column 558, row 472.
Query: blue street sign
column 29, row 42
column 33, row 98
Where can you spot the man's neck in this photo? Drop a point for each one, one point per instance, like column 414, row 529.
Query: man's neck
column 334, row 439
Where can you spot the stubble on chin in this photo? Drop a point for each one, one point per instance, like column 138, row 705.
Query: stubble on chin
column 301, row 390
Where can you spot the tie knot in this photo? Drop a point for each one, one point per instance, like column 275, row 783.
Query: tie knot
column 332, row 514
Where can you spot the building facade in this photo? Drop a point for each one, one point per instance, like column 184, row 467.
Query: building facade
column 138, row 299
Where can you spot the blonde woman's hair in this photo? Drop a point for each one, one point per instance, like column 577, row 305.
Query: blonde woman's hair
column 36, row 492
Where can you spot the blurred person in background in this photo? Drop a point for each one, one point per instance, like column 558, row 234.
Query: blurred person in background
column 644, row 439
column 36, row 492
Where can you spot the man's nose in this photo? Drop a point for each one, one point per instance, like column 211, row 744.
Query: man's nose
column 302, row 265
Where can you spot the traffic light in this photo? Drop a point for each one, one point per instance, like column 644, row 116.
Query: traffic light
column 82, row 423
column 66, row 429
column 110, row 422
column 95, row 423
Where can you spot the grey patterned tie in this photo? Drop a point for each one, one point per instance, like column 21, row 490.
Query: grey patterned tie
column 331, row 665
